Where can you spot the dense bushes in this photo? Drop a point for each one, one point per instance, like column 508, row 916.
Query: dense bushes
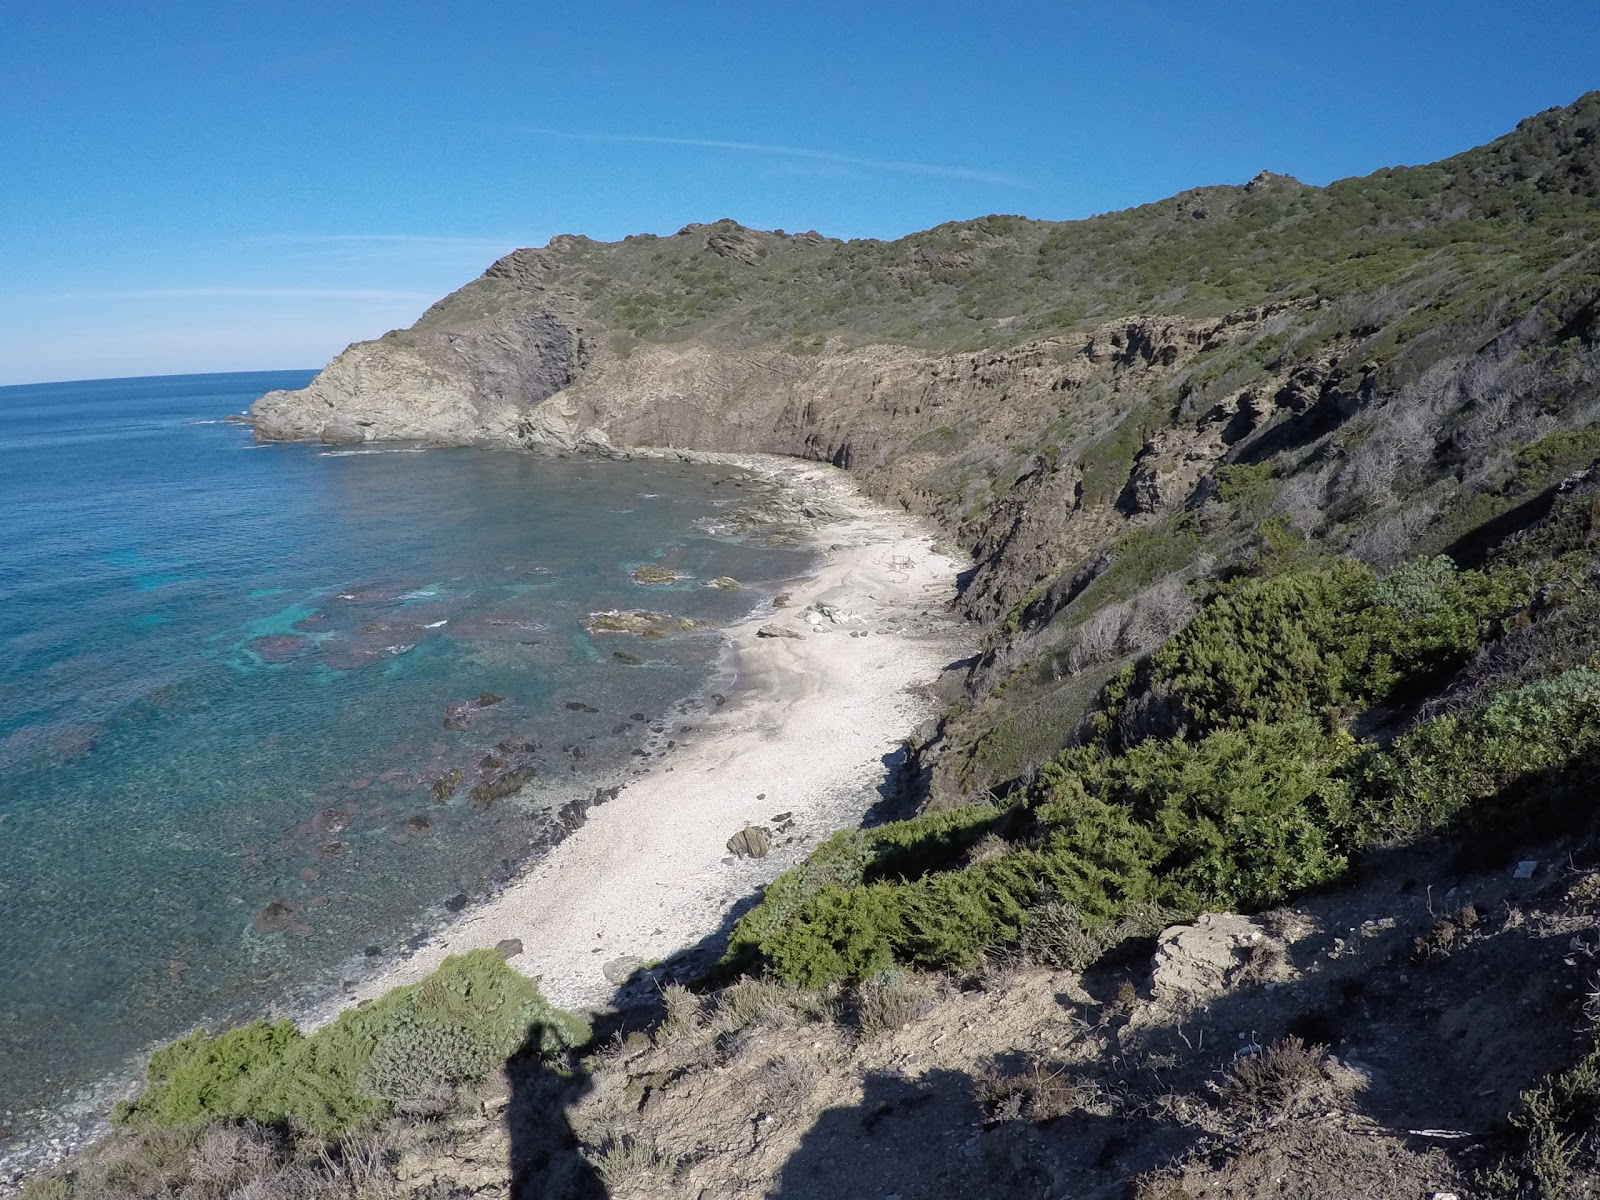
column 1261, row 793
column 1318, row 641
column 407, row 1051
column 1447, row 766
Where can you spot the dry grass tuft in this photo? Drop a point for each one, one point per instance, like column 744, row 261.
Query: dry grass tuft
column 768, row 1001
column 627, row 1163
column 893, row 999
column 1285, row 1078
column 1036, row 1093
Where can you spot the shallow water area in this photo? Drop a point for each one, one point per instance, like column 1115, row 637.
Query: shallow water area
column 267, row 711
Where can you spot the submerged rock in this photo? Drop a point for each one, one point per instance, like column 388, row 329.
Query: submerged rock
column 280, row 648
column 642, row 624
column 491, row 791
column 459, row 715
column 655, row 575
column 275, row 917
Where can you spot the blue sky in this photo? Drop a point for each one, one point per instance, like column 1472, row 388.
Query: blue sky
column 204, row 186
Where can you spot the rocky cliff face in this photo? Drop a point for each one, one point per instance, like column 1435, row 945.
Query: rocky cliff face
column 1102, row 411
column 942, row 435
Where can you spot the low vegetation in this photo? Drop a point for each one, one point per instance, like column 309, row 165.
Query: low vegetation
column 407, row 1052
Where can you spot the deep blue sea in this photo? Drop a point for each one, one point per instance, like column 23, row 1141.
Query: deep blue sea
column 225, row 673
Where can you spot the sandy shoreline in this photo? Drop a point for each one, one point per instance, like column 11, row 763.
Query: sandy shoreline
column 805, row 732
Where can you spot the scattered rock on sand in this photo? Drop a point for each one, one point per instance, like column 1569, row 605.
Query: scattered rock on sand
column 620, row 970
column 508, row 947
column 782, row 600
column 753, row 841
column 778, row 631
column 642, row 624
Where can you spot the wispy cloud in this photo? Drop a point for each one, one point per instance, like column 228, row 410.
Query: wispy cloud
column 901, row 166
column 249, row 293
column 399, row 241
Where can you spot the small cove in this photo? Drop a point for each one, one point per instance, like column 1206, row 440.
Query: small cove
column 235, row 680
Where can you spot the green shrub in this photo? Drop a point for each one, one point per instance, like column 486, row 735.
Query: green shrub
column 1318, row 641
column 1445, row 766
column 1240, row 818
column 406, row 1051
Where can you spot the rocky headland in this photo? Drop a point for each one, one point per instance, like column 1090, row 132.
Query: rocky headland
column 1252, row 852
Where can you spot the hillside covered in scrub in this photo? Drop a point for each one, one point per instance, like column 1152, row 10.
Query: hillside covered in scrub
column 1254, row 855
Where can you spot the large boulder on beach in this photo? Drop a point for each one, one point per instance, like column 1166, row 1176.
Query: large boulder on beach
column 619, row 970
column 752, row 841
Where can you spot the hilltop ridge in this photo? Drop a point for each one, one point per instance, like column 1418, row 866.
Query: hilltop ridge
column 1056, row 394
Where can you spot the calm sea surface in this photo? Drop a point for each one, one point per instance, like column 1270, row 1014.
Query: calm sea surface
column 225, row 676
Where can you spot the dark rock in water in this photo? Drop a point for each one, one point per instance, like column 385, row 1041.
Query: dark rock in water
column 445, row 786
column 574, row 812
column 275, row 917
column 580, row 706
column 419, row 826
column 718, row 699
column 623, row 656
column 727, row 583
column 280, row 648
column 642, row 624
column 491, row 791
column 491, row 762
column 508, row 947
column 373, row 951
column 654, row 575
column 459, row 715
column 752, row 841
column 351, row 658
column 621, row 727
column 637, row 717
column 331, row 820
column 329, row 849
column 457, row 902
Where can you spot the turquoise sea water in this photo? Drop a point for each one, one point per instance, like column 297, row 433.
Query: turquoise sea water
column 225, row 673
